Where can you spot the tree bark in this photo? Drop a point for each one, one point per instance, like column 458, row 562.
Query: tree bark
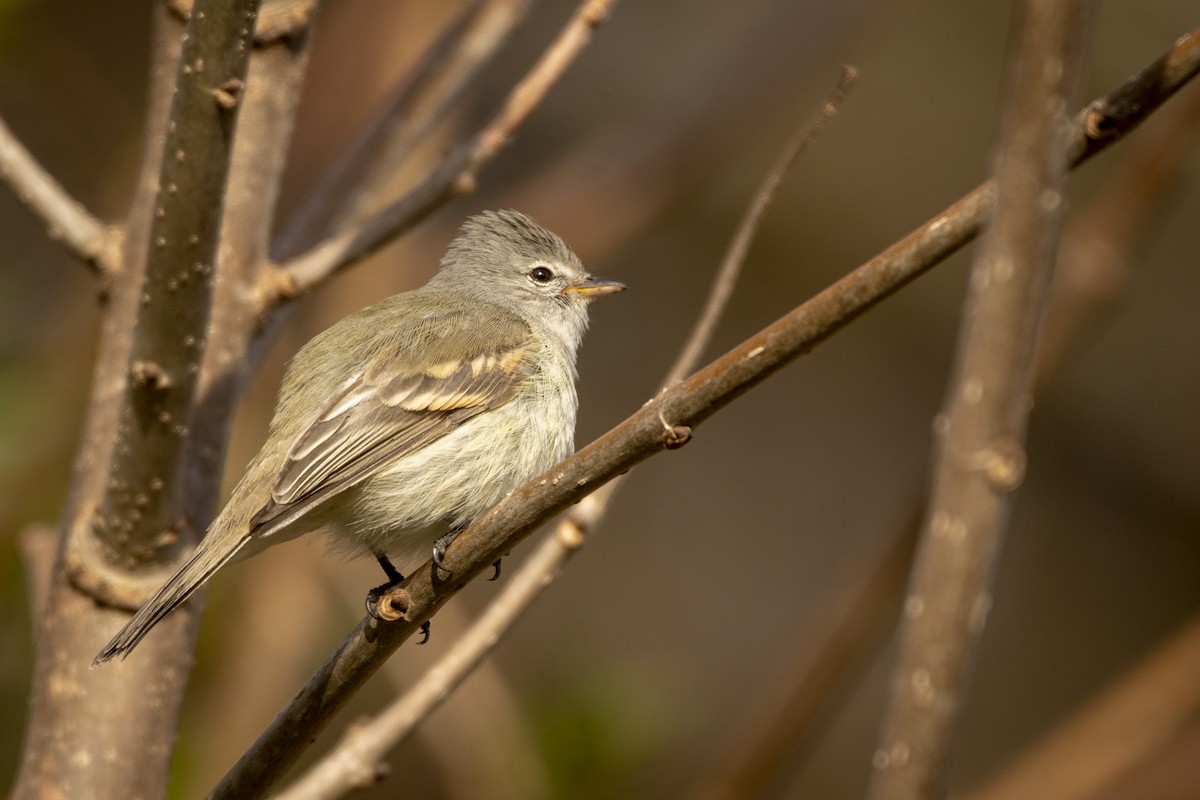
column 109, row 732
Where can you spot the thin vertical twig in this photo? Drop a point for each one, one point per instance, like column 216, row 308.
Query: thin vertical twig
column 735, row 256
column 980, row 455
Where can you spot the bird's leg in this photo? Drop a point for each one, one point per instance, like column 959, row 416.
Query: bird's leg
column 394, row 579
column 439, row 547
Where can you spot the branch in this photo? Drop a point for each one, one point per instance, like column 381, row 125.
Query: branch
column 792, row 706
column 1138, row 714
column 418, row 102
column 67, row 221
column 457, row 173
column 352, row 764
column 75, row 745
column 685, row 404
column 980, row 457
column 1093, row 266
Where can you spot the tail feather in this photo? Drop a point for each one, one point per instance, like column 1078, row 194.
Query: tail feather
column 208, row 558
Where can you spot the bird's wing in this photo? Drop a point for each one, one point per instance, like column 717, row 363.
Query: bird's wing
column 399, row 402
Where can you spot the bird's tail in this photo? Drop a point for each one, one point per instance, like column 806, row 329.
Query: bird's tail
column 213, row 553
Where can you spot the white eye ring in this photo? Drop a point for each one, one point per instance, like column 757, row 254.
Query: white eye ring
column 541, row 274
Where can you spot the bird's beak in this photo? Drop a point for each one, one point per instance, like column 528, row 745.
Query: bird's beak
column 594, row 287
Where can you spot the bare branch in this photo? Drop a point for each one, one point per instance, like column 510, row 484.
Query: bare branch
column 1139, row 713
column 422, row 97
column 680, row 407
column 1093, row 265
column 67, row 221
column 353, row 763
column 804, row 694
column 457, row 173
column 75, row 745
column 980, row 457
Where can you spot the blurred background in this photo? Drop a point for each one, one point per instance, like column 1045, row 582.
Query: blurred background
column 718, row 562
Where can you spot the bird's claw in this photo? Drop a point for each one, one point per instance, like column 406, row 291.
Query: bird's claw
column 394, row 578
column 424, row 630
column 496, row 566
column 373, row 598
column 439, row 549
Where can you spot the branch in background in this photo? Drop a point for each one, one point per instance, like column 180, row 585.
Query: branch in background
column 1173, row 764
column 1093, row 267
column 422, row 97
column 75, row 745
column 1094, row 262
column 980, row 455
column 67, row 221
column 791, row 708
column 1133, row 718
column 354, row 762
column 456, row 174
column 685, row 404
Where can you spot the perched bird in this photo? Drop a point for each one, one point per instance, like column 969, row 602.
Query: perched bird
column 405, row 421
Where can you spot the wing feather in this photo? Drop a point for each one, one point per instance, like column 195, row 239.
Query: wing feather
column 390, row 409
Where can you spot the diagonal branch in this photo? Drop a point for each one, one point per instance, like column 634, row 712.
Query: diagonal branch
column 351, row 185
column 1092, row 271
column 353, row 762
column 685, row 405
column 67, row 221
column 1131, row 719
column 456, row 174
column 980, row 433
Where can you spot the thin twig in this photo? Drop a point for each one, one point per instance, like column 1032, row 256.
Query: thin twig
column 731, row 266
column 419, row 100
column 980, row 458
column 685, row 405
column 354, row 760
column 456, row 175
column 67, row 221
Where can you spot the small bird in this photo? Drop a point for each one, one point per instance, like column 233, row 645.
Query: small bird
column 405, row 421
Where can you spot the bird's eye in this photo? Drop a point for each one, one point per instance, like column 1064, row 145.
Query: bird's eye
column 541, row 274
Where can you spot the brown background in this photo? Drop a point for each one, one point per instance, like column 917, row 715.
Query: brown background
column 628, row 678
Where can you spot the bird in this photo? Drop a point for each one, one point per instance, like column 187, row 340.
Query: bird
column 402, row 423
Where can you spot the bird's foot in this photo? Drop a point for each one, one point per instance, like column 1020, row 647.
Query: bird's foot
column 496, row 566
column 439, row 549
column 382, row 602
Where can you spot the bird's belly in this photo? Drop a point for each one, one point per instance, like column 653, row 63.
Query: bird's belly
column 403, row 508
